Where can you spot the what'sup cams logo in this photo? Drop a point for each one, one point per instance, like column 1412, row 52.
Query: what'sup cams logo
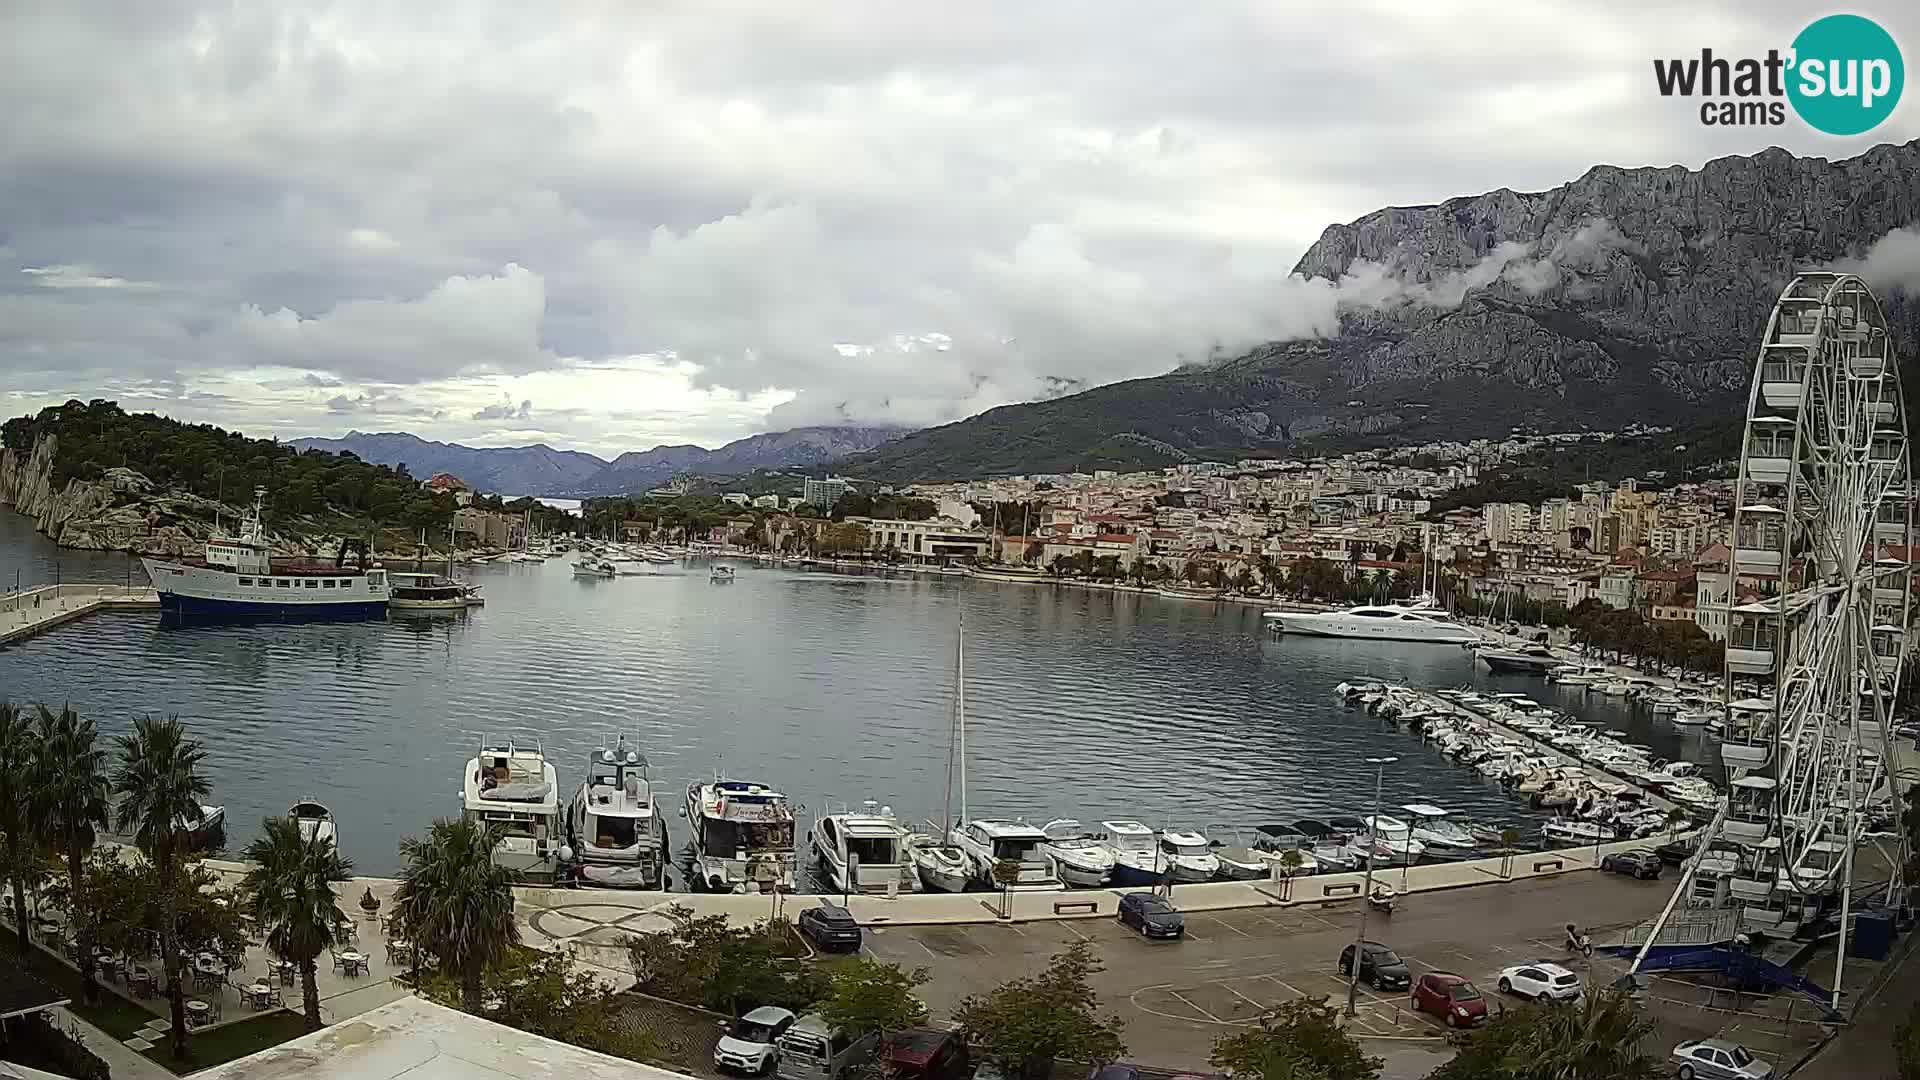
column 1842, row 76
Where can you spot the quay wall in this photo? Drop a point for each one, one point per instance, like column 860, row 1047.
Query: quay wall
column 32, row 611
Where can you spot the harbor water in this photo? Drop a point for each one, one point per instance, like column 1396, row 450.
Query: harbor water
column 835, row 688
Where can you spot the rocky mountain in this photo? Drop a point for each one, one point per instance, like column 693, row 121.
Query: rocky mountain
column 514, row 470
column 1628, row 295
column 542, row 470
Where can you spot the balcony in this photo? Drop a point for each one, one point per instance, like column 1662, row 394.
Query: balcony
column 1799, row 322
column 1783, row 368
column 1769, row 449
column 1890, row 518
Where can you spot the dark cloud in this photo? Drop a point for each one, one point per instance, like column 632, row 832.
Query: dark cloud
column 856, row 211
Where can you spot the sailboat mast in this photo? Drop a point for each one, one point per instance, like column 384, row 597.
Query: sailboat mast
column 960, row 708
column 953, row 736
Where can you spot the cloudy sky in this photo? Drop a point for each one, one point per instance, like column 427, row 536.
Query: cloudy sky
column 610, row 225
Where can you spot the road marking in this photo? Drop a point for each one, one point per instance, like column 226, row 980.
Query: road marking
column 1262, row 1006
column 1016, row 930
column 927, row 947
column 1188, row 1002
column 1075, row 931
column 1230, row 926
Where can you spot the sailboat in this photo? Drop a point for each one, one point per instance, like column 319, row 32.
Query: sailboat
column 942, row 866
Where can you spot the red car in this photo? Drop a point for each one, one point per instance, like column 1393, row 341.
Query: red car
column 1450, row 997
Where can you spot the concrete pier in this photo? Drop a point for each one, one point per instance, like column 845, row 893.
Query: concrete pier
column 30, row 611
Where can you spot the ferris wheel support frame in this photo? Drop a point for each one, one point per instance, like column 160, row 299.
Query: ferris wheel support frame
column 1823, row 655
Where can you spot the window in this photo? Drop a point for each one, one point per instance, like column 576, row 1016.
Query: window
column 328, row 583
column 282, row 583
column 313, row 583
column 246, row 581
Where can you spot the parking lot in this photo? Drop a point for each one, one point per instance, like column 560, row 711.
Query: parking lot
column 1177, row 997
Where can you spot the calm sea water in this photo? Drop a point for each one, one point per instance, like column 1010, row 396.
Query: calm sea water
column 834, row 688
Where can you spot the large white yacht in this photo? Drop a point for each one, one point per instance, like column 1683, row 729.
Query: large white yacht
column 1418, row 621
column 238, row 576
column 513, row 789
column 619, row 838
column 742, row 836
column 865, row 852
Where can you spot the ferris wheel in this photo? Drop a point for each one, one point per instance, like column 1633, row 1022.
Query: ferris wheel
column 1818, row 598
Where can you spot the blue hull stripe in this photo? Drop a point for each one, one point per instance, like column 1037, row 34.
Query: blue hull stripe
column 195, row 605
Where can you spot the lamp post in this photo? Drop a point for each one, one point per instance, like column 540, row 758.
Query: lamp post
column 1366, row 891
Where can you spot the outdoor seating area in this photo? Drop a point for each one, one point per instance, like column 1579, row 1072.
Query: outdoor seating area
column 222, row 989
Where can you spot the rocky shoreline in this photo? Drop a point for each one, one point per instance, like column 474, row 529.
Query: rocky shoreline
column 121, row 511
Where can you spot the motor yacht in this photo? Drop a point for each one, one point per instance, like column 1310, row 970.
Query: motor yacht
column 865, row 852
column 1391, row 843
column 989, row 843
column 1379, row 622
column 1137, row 860
column 314, row 821
column 1079, row 857
column 1528, row 660
column 618, row 834
column 1442, row 837
column 742, row 836
column 428, row 592
column 1332, row 850
column 513, row 790
column 1187, row 856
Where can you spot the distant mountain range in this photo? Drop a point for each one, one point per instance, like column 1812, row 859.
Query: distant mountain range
column 1628, row 295
column 542, row 470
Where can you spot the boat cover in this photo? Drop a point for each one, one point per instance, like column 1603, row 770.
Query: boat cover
column 536, row 792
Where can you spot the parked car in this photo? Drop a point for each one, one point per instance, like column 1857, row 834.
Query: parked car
column 1152, row 915
column 814, row 1050
column 1380, row 967
column 1675, row 852
column 1717, row 1059
column 1450, row 997
column 1541, row 982
column 748, row 1046
column 925, row 1053
column 831, row 927
column 1639, row 863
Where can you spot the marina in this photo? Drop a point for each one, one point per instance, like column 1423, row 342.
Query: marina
column 861, row 669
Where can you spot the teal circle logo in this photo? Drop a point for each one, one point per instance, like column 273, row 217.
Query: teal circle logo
column 1847, row 75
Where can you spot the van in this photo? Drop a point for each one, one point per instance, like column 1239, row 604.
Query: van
column 810, row 1050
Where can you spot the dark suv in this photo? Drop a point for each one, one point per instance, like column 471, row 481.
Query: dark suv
column 1640, row 864
column 831, row 927
column 1380, row 967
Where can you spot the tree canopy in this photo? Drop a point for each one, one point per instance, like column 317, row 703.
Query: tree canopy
column 1026, row 1024
column 1301, row 1040
column 94, row 436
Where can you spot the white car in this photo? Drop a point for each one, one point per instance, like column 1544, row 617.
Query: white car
column 748, row 1045
column 1541, row 982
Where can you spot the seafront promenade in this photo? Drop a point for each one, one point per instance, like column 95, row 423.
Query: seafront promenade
column 31, row 611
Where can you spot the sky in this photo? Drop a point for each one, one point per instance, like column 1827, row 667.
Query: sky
column 605, row 226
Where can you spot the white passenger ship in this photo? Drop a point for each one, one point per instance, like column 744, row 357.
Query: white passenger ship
column 238, row 576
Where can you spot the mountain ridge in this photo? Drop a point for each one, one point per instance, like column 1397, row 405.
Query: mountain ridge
column 1627, row 295
column 539, row 469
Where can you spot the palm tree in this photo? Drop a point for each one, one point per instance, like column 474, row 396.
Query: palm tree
column 455, row 903
column 16, row 753
column 160, row 787
column 70, row 800
column 290, row 893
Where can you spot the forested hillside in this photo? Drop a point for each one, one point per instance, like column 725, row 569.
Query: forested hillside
column 92, row 437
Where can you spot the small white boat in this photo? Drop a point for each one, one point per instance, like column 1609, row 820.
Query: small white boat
column 1078, row 856
column 1565, row 831
column 942, row 867
column 721, row 575
column 314, row 821
column 1613, row 687
column 209, row 822
column 1238, row 860
column 1694, row 717
column 1187, row 856
column 594, row 568
column 1136, row 853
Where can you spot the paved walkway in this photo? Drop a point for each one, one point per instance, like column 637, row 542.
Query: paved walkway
column 24, row 614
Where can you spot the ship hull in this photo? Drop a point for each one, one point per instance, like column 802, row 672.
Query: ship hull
column 177, row 604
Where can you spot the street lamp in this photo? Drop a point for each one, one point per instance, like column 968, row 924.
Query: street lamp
column 1366, row 891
